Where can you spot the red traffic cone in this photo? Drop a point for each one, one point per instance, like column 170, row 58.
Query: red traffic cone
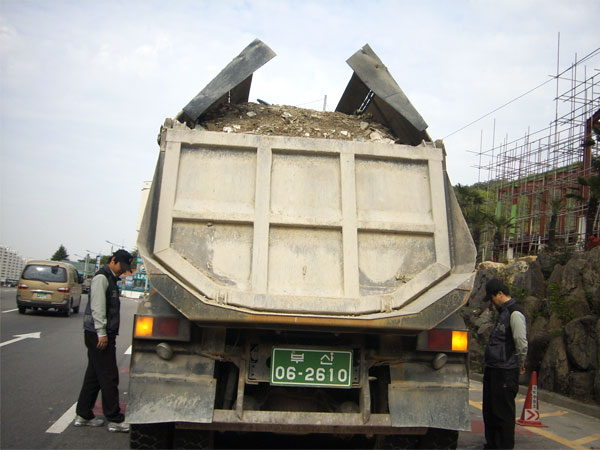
column 530, row 417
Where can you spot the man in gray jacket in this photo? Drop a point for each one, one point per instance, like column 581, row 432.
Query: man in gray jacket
column 504, row 360
column 101, row 327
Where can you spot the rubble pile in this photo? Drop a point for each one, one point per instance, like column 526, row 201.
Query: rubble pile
column 283, row 120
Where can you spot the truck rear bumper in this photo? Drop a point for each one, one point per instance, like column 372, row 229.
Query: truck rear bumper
column 302, row 423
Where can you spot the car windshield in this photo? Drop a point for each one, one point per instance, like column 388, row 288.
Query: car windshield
column 54, row 274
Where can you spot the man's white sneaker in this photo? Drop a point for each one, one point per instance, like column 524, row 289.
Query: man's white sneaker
column 81, row 422
column 121, row 427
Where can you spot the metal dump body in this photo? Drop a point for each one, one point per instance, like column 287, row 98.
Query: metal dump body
column 298, row 226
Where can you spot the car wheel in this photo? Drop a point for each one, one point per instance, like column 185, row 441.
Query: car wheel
column 22, row 309
column 67, row 312
column 76, row 309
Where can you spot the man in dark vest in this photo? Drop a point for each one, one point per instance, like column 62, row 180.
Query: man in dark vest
column 101, row 327
column 504, row 360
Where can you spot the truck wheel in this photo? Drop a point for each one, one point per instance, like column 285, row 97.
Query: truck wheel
column 395, row 441
column 199, row 439
column 152, row 435
column 439, row 439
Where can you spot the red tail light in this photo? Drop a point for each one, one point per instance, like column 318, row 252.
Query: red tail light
column 23, row 286
column 448, row 340
column 158, row 327
column 65, row 290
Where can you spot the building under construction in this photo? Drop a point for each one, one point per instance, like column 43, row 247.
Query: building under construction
column 534, row 180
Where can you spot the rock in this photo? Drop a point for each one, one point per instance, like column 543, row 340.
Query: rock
column 597, row 387
column 595, row 302
column 375, row 136
column 364, row 125
column 484, row 275
column 555, row 323
column 251, row 114
column 581, row 384
column 554, row 370
column 228, row 129
column 539, row 338
column 547, row 262
column 578, row 304
column 581, row 345
column 344, row 133
column 532, row 279
column 532, row 307
column 487, row 316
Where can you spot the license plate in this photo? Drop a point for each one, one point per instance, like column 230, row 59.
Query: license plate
column 42, row 295
column 303, row 367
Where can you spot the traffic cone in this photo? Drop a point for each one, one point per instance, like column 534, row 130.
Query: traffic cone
column 530, row 417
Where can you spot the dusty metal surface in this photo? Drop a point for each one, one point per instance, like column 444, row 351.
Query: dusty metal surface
column 422, row 397
column 354, row 241
column 232, row 84
column 159, row 391
column 389, row 105
column 301, row 423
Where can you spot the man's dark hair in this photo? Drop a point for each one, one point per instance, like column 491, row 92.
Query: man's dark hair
column 494, row 286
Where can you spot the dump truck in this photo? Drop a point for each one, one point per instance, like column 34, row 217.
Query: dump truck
column 301, row 285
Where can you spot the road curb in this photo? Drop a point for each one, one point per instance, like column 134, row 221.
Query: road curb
column 555, row 399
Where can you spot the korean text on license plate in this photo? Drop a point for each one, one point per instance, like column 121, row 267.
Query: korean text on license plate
column 308, row 367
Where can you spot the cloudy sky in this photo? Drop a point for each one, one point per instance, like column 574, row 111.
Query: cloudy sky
column 85, row 86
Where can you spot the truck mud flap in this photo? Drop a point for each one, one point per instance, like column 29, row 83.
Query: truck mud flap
column 420, row 396
column 168, row 397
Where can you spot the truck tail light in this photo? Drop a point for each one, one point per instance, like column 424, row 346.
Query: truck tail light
column 65, row 290
column 156, row 327
column 447, row 341
column 23, row 286
column 443, row 341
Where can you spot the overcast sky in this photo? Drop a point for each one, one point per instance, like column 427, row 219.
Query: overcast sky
column 85, row 86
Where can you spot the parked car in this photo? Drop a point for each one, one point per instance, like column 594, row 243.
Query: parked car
column 49, row 284
column 85, row 286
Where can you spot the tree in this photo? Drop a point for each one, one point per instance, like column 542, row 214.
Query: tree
column 60, row 254
column 593, row 183
column 499, row 224
column 555, row 204
column 471, row 201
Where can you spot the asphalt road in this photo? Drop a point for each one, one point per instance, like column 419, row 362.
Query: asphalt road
column 41, row 377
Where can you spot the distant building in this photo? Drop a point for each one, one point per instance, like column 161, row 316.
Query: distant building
column 11, row 265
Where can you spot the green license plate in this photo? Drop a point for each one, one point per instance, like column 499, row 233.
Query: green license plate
column 303, row 367
column 41, row 295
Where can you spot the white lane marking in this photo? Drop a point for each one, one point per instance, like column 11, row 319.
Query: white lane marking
column 128, row 351
column 10, row 310
column 20, row 337
column 61, row 424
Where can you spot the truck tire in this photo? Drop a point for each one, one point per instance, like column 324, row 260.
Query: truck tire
column 439, row 439
column 199, row 439
column 152, row 435
column 396, row 441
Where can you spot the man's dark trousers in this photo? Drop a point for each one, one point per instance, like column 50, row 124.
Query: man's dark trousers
column 500, row 387
column 102, row 374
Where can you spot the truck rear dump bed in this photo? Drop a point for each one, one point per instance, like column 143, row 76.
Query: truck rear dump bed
column 306, row 269
column 349, row 225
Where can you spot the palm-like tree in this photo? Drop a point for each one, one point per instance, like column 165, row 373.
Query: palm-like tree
column 499, row 225
column 471, row 201
column 555, row 204
column 593, row 183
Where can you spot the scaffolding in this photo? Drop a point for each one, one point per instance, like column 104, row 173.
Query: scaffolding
column 531, row 179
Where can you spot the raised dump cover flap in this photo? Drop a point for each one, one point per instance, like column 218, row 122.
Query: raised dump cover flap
column 299, row 225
